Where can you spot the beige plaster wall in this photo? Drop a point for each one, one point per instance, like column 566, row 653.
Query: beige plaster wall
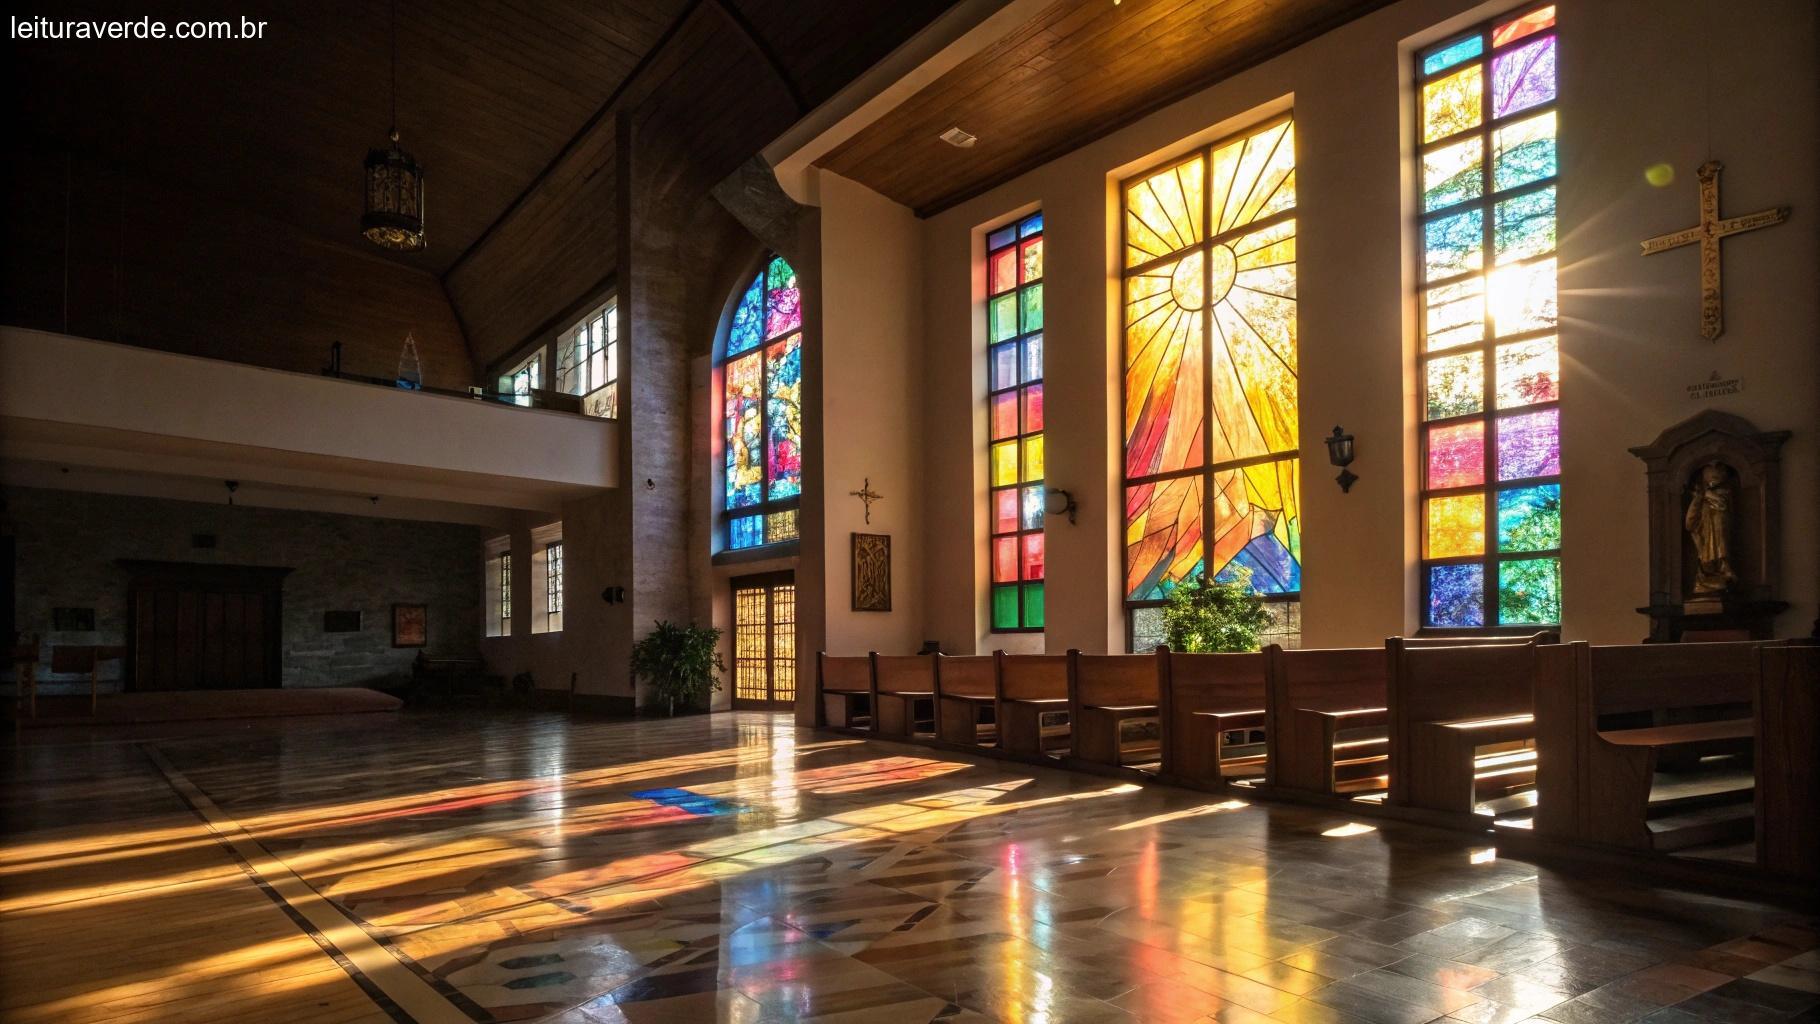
column 1634, row 85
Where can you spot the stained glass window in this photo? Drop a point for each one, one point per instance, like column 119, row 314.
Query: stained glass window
column 1490, row 367
column 762, row 410
column 1212, row 481
column 1014, row 436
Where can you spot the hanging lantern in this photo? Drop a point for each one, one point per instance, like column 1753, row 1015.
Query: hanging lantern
column 394, row 215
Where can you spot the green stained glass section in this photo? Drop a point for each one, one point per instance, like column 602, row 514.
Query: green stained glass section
column 1453, row 174
column 1456, row 385
column 1529, row 592
column 1004, row 607
column 1033, row 605
column 1529, row 518
column 1454, row 244
column 1002, row 316
column 1526, row 225
column 1032, row 300
column 1524, row 151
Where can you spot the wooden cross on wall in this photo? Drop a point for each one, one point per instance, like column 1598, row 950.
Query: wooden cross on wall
column 867, row 495
column 1707, row 233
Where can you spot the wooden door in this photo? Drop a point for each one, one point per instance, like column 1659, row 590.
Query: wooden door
column 204, row 627
column 764, row 641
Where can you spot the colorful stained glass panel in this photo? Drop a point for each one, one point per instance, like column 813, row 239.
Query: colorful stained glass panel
column 1456, row 526
column 1031, row 225
column 748, row 319
column 1523, row 77
column 784, row 414
column 1164, row 386
column 1529, row 24
column 1001, row 317
column 1529, row 445
column 1004, row 559
column 783, row 303
column 1003, row 266
column 1031, row 563
column 1004, row 511
column 1529, row 373
column 1454, row 244
column 1456, row 386
column 1033, row 357
column 1455, row 314
column 1456, row 455
column 1163, row 543
column 781, row 526
column 1456, row 596
column 1033, row 458
column 1004, row 464
column 1032, row 508
column 1003, row 363
column 1442, row 59
column 1033, row 408
column 1453, row 173
column 746, row 532
column 1002, row 237
column 1257, row 526
column 1030, row 302
column 1522, row 297
column 1452, row 104
column 1004, row 607
column 1529, row 591
column 1529, row 518
column 1523, row 151
column 1163, row 212
column 1004, row 415
column 1526, row 225
column 743, row 395
column 1033, row 605
column 1031, row 263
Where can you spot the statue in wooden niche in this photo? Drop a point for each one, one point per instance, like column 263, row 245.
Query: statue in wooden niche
column 1708, row 521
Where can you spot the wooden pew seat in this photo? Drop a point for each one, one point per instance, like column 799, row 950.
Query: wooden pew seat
column 1462, row 727
column 844, row 691
column 903, row 695
column 1112, row 698
column 966, row 705
column 1700, row 733
column 1215, row 705
column 1328, row 722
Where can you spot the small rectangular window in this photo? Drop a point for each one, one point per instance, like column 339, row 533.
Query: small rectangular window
column 546, row 579
column 498, row 585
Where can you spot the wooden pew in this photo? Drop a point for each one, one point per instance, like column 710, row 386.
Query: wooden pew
column 966, row 699
column 1208, row 697
column 85, row 659
column 1032, row 697
column 903, row 690
column 1327, row 720
column 1610, row 719
column 1787, row 710
column 1105, row 692
column 24, row 658
column 1462, row 722
column 843, row 691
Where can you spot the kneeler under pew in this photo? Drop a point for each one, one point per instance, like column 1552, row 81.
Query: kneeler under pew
column 1110, row 694
column 1032, row 703
column 966, row 699
column 843, row 691
column 1209, row 699
column 1646, row 746
column 1462, row 723
column 1327, row 721
column 903, row 694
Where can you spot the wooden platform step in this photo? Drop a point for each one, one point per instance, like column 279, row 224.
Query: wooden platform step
column 1706, row 826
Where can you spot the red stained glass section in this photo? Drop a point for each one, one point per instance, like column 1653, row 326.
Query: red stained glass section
column 1004, row 270
column 1033, row 556
column 1529, row 24
column 1004, row 415
column 1004, row 511
column 1033, row 408
column 1456, row 455
column 1004, row 559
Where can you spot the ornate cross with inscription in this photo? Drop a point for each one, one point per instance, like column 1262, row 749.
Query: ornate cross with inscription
column 867, row 495
column 1707, row 233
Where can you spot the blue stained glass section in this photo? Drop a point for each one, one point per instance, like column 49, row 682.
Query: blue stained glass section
column 748, row 319
column 1273, row 569
column 1032, row 225
column 1034, row 504
column 1456, row 595
column 1002, row 237
column 745, row 532
column 1448, row 56
column 689, row 801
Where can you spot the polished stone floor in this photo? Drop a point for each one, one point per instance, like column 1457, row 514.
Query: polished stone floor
column 467, row 866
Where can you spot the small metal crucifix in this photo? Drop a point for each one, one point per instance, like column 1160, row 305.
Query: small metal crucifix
column 1707, row 233
column 867, row 495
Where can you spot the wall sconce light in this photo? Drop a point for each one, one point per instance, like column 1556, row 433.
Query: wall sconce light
column 1339, row 452
column 1059, row 502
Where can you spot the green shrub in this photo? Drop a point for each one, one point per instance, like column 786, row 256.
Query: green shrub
column 682, row 664
column 1214, row 617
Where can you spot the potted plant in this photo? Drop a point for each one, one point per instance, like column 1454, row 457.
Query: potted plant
column 1215, row 616
column 682, row 664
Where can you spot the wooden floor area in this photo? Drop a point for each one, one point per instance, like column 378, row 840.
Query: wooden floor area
column 477, row 866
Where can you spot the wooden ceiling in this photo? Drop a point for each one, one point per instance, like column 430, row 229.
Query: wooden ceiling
column 488, row 94
column 1078, row 70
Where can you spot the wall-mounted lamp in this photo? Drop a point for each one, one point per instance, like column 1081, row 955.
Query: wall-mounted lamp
column 1339, row 452
column 1059, row 502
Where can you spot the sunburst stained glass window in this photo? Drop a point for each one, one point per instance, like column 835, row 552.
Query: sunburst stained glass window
column 761, row 407
column 1212, row 481
column 1014, row 420
column 1489, row 365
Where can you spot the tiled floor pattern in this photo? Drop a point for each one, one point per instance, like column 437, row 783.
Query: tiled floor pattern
column 736, row 868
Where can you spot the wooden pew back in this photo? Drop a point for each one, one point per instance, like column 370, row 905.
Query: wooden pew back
column 968, row 675
column 1115, row 680
column 1032, row 676
column 1204, row 682
column 1439, row 684
column 836, row 674
column 1646, row 677
column 904, row 673
column 1788, row 760
column 1327, row 680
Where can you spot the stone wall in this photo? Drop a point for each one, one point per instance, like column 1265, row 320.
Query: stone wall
column 69, row 544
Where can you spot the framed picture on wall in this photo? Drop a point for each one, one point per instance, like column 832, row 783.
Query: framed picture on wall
column 871, row 572
column 410, row 625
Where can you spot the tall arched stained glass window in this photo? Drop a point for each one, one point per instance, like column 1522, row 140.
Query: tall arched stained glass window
column 1212, row 481
column 1489, row 364
column 1014, row 414
column 762, row 410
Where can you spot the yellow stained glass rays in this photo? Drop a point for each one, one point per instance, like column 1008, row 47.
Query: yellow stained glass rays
column 1163, row 212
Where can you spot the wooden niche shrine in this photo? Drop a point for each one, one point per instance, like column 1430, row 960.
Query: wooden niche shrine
column 1714, row 530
